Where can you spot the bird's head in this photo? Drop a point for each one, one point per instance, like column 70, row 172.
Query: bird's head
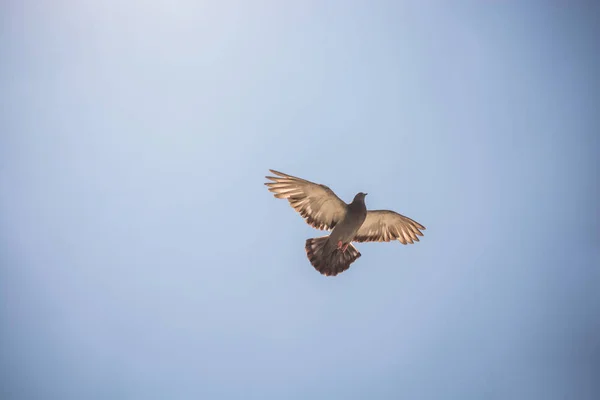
column 360, row 196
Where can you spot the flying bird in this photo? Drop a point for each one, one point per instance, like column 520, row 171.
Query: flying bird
column 322, row 209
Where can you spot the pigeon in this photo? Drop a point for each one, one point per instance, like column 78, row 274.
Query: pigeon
column 322, row 209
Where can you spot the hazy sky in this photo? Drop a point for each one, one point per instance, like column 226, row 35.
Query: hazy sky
column 143, row 258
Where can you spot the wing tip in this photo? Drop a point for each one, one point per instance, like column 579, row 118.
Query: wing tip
column 278, row 173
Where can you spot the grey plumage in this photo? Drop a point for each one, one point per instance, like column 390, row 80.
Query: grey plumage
column 323, row 209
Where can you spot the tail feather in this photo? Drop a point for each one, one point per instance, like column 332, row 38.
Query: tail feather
column 329, row 260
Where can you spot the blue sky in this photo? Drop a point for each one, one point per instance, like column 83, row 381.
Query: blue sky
column 142, row 257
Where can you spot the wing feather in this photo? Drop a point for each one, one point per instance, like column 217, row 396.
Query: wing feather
column 386, row 225
column 320, row 207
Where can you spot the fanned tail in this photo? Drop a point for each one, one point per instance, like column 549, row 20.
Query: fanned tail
column 329, row 260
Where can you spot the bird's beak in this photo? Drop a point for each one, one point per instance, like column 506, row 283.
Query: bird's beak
column 366, row 194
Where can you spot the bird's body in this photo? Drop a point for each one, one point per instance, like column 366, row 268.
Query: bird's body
column 345, row 230
column 322, row 209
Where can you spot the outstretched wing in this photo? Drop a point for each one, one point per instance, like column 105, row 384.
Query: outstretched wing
column 317, row 204
column 385, row 225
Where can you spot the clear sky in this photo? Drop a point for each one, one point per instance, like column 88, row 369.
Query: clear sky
column 143, row 258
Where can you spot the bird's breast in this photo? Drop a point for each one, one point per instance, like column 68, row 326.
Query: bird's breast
column 346, row 229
